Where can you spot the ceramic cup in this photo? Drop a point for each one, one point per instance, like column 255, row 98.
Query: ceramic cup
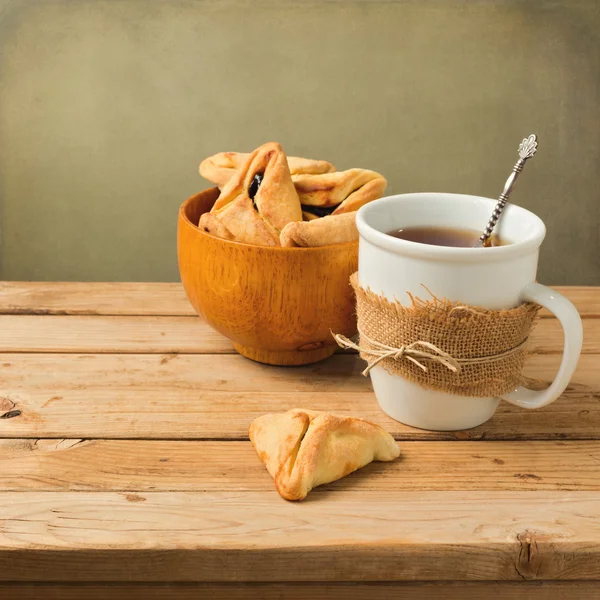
column 494, row 278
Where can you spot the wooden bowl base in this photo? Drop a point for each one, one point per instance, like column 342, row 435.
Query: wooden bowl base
column 285, row 357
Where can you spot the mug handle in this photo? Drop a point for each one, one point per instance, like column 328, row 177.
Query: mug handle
column 570, row 321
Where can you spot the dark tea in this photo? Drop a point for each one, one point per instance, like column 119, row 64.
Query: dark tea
column 443, row 236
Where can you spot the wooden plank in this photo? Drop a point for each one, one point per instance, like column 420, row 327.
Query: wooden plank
column 173, row 372
column 188, row 466
column 168, row 299
column 585, row 298
column 93, row 298
column 184, row 335
column 449, row 590
column 124, row 334
column 547, row 337
column 372, row 536
column 200, row 397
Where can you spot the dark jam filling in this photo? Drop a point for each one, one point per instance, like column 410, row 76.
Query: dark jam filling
column 253, row 189
column 319, row 211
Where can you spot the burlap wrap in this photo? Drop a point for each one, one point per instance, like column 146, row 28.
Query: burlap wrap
column 488, row 346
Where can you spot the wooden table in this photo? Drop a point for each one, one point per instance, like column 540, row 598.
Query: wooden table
column 125, row 459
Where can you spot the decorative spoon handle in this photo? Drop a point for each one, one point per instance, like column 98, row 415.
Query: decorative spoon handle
column 527, row 148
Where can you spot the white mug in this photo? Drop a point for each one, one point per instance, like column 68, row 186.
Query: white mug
column 494, row 278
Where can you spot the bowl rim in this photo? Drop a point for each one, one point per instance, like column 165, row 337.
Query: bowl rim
column 183, row 216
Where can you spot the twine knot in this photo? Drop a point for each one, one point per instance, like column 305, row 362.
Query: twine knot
column 380, row 351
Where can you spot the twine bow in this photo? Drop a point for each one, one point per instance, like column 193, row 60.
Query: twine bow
column 382, row 351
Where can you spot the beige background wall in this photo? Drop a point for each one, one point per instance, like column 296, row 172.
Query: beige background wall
column 108, row 106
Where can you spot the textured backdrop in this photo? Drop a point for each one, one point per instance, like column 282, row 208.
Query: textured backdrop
column 108, row 106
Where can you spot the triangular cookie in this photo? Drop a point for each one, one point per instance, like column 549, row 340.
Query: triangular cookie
column 339, row 192
column 258, row 201
column 335, row 229
column 303, row 449
column 221, row 167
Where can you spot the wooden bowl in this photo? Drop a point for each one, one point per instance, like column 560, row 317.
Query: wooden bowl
column 277, row 305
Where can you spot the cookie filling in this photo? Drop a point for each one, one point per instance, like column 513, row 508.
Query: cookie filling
column 253, row 189
column 319, row 211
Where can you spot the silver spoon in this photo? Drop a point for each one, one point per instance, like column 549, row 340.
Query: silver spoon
column 527, row 148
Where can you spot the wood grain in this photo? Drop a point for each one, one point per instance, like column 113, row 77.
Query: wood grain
column 256, row 536
column 193, row 466
column 448, row 590
column 204, row 397
column 184, row 335
column 94, row 298
column 98, row 502
column 161, row 299
column 278, row 305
